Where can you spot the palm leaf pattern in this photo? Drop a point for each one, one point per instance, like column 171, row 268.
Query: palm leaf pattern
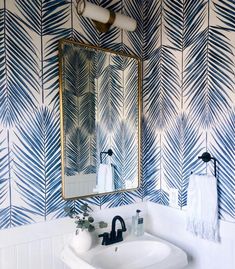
column 38, row 164
column 159, row 196
column 4, row 178
column 225, row 11
column 18, row 91
column 112, row 37
column 77, row 152
column 224, row 148
column 125, row 148
column 119, row 199
column 183, row 21
column 113, row 124
column 17, row 69
column 163, row 80
column 151, row 26
column 107, row 102
column 11, row 214
column 83, row 28
column 169, row 35
column 89, row 97
column 103, row 141
column 47, row 18
column 209, row 76
column 153, row 159
column 125, row 135
column 79, row 114
column 4, row 162
column 135, row 38
column 150, row 156
column 100, row 200
column 111, row 200
column 181, row 149
column 109, row 96
column 71, row 81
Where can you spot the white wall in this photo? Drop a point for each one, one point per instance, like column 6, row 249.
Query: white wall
column 169, row 223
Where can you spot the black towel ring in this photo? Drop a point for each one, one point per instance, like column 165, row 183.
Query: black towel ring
column 109, row 152
column 206, row 157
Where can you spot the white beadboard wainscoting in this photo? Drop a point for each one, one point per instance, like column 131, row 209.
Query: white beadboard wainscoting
column 38, row 246
column 35, row 246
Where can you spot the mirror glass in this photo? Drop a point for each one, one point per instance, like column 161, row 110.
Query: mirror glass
column 100, row 120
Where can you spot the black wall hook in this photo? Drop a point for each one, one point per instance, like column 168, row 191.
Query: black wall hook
column 109, row 152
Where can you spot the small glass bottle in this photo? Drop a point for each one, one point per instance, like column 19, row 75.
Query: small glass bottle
column 137, row 224
column 134, row 222
column 140, row 227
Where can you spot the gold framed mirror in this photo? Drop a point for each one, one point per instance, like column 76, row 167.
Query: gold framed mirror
column 100, row 108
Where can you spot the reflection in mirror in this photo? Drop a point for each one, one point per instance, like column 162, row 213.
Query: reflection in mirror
column 99, row 97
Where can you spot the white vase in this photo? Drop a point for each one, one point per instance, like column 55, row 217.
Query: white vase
column 82, row 241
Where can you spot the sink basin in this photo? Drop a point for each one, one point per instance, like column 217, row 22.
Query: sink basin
column 145, row 252
column 137, row 255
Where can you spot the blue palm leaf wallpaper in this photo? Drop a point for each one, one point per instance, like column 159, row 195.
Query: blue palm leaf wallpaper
column 187, row 51
column 37, row 164
column 225, row 11
column 223, row 144
column 46, row 20
column 181, row 148
column 79, row 115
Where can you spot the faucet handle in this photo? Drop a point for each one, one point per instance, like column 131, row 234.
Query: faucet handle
column 119, row 235
column 105, row 238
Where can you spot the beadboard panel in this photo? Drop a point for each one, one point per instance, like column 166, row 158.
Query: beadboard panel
column 35, row 246
column 38, row 254
column 39, row 245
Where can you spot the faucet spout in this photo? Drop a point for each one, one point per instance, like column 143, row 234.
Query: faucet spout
column 121, row 221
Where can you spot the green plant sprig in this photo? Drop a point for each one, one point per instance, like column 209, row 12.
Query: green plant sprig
column 84, row 221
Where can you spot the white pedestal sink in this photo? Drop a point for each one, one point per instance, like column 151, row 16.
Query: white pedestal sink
column 145, row 252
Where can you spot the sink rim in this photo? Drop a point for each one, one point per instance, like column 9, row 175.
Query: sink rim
column 87, row 257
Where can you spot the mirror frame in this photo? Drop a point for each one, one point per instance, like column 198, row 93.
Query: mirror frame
column 140, row 108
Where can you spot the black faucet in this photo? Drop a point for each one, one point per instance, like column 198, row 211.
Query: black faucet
column 114, row 236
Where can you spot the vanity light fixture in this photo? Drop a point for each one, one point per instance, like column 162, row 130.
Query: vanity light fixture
column 104, row 18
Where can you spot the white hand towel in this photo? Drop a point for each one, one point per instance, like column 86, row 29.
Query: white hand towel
column 101, row 177
column 109, row 184
column 202, row 207
column 105, row 181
